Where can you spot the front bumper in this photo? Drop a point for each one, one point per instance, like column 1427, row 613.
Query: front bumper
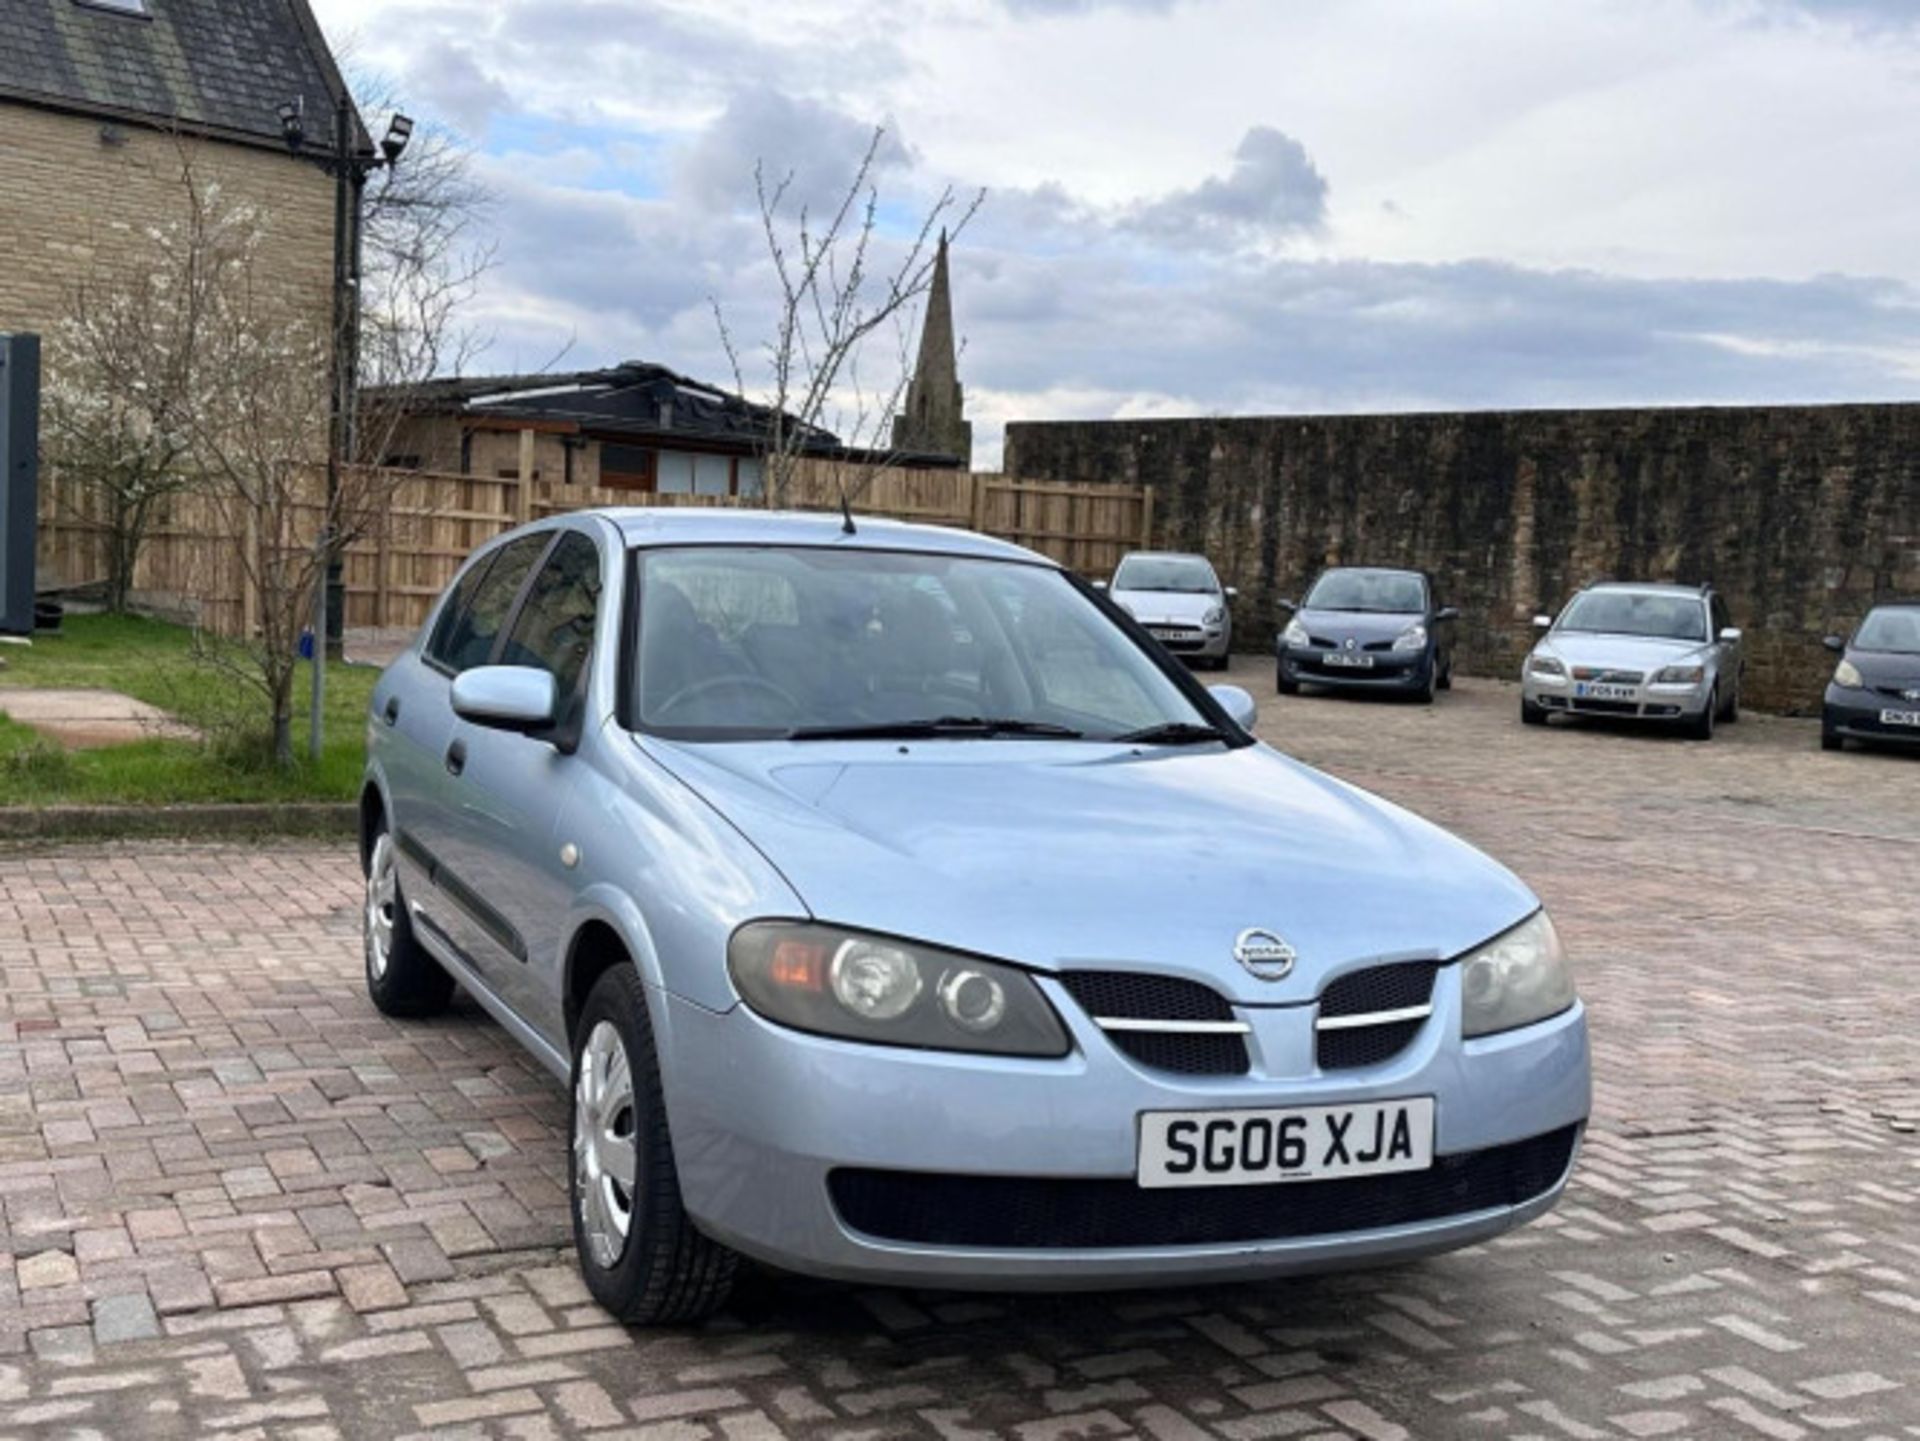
column 763, row 1117
column 1859, row 715
column 1195, row 642
column 1648, row 701
column 1391, row 670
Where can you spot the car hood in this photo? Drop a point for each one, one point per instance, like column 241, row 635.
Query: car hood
column 1361, row 626
column 1065, row 854
column 1886, row 668
column 1620, row 652
column 1156, row 607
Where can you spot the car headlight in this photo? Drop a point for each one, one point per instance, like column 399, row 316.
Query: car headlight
column 1295, row 634
column 1680, row 675
column 1547, row 665
column 1847, row 676
column 1414, row 637
column 1515, row 979
column 1214, row 616
column 860, row 987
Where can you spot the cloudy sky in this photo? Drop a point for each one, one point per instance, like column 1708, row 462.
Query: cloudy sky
column 1219, row 206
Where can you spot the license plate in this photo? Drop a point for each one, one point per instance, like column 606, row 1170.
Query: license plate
column 1161, row 632
column 1900, row 718
column 1586, row 691
column 1296, row 1143
column 1350, row 662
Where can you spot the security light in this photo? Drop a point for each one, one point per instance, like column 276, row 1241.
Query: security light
column 399, row 132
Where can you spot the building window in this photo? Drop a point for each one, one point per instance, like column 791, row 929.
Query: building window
column 713, row 475
column 627, row 467
column 676, row 473
column 747, row 478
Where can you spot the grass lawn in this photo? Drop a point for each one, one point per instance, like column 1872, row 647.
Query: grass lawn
column 154, row 662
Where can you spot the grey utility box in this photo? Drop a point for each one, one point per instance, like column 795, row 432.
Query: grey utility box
column 19, row 478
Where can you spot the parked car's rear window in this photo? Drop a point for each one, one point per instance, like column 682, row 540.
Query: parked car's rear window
column 738, row 642
column 1626, row 612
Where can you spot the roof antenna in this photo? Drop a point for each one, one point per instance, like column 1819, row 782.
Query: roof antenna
column 846, row 512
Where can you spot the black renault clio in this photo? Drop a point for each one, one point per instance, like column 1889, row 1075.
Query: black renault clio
column 1875, row 691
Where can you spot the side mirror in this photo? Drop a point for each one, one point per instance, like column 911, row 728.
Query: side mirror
column 1233, row 592
column 1447, row 612
column 1543, row 622
column 1835, row 643
column 1237, row 703
column 505, row 697
column 1099, row 585
column 1288, row 606
column 1730, row 635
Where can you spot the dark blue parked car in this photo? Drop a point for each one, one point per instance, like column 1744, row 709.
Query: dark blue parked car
column 1368, row 628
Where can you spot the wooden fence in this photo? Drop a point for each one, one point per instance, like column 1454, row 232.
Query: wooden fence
column 430, row 522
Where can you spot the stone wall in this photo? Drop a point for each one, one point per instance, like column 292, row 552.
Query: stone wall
column 1801, row 515
column 76, row 198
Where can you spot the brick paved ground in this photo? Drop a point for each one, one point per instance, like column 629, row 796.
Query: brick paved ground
column 237, row 1202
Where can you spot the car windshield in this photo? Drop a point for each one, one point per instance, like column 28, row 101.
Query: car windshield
column 1187, row 574
column 1627, row 612
column 1368, row 590
column 740, row 642
column 1891, row 628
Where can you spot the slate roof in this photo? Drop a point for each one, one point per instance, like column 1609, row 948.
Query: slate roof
column 215, row 67
column 636, row 399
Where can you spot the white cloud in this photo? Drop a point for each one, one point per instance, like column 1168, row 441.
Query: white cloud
column 1221, row 205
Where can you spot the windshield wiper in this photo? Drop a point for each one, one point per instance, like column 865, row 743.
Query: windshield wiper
column 938, row 726
column 1173, row 733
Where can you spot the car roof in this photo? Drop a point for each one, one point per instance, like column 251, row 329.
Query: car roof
column 1164, row 555
column 661, row 525
column 1377, row 570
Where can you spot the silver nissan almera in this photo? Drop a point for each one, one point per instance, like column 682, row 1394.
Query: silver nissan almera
column 895, row 909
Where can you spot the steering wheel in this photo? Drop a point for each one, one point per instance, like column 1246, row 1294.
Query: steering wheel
column 693, row 692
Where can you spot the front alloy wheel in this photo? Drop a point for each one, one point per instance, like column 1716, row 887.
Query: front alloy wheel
column 603, row 1151
column 641, row 1254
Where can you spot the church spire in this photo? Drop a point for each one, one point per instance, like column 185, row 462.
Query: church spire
column 932, row 419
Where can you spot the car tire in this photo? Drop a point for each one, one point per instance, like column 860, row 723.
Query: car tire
column 1700, row 728
column 402, row 979
column 1285, row 686
column 645, row 1262
column 1831, row 740
column 1427, row 692
column 1732, row 714
column 1531, row 714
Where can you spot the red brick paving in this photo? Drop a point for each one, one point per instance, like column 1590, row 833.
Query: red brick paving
column 236, row 1201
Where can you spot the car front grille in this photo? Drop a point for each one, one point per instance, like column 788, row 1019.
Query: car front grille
column 1370, row 1016
column 1606, row 707
column 1163, row 1022
column 1607, row 677
column 1022, row 1212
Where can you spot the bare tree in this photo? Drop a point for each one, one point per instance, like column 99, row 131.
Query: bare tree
column 831, row 300
column 422, row 255
column 125, row 375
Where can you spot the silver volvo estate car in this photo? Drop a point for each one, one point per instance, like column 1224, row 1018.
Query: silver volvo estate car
column 896, row 910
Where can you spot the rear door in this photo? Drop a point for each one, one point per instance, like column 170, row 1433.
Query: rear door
column 430, row 814
column 512, row 788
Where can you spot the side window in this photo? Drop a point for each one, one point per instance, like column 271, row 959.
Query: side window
column 468, row 638
column 555, row 629
column 455, row 607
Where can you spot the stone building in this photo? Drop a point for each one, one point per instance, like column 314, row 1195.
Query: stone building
column 101, row 104
column 635, row 426
column 932, row 419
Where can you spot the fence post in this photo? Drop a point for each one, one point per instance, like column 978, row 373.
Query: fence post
column 973, row 499
column 523, row 496
column 1146, row 517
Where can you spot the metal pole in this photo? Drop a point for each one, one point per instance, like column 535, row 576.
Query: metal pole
column 336, row 418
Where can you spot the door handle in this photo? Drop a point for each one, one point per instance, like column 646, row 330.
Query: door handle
column 392, row 712
column 456, row 758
